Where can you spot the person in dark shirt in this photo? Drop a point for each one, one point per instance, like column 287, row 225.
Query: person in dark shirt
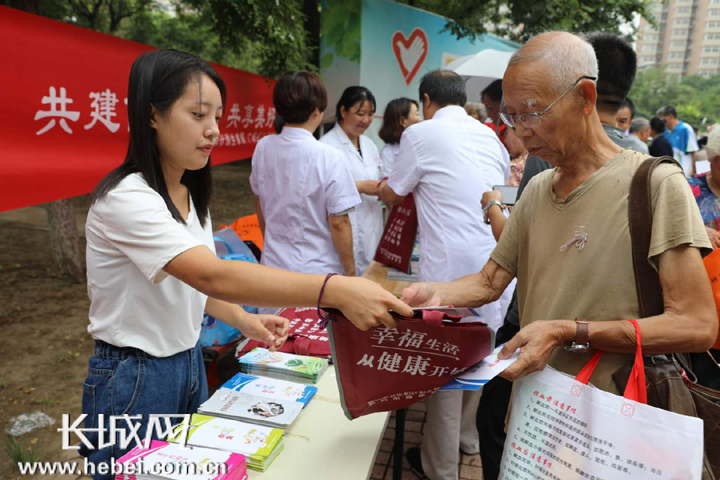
column 660, row 145
column 617, row 65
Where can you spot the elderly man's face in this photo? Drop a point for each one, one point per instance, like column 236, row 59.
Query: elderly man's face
column 525, row 89
column 644, row 134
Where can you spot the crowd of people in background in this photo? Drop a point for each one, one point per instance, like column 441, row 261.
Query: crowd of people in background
column 450, row 152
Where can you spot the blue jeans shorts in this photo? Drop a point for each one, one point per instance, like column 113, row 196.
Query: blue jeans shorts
column 128, row 381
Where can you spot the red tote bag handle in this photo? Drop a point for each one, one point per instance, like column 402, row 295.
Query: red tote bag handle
column 635, row 389
column 432, row 317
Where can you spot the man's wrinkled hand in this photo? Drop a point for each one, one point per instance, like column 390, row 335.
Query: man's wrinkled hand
column 536, row 342
column 421, row 295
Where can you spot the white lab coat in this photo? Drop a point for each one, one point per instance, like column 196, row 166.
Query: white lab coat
column 388, row 156
column 299, row 182
column 367, row 219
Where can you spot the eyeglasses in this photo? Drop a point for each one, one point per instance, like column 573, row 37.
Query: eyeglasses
column 534, row 119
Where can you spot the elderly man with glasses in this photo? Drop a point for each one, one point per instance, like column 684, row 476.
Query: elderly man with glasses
column 567, row 241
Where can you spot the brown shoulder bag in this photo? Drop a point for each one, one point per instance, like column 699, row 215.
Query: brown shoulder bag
column 671, row 384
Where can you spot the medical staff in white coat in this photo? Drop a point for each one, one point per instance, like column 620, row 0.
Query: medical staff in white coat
column 446, row 161
column 354, row 114
column 399, row 115
column 303, row 189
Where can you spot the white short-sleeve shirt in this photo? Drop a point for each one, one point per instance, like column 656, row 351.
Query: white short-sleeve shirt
column 448, row 162
column 131, row 236
column 367, row 219
column 299, row 182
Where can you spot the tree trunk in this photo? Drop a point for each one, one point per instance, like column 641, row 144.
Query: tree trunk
column 64, row 240
column 312, row 30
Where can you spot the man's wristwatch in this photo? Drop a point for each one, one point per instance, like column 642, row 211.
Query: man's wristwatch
column 487, row 209
column 582, row 337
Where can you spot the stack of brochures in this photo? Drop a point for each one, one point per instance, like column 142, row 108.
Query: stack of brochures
column 260, row 445
column 271, row 388
column 283, row 366
column 270, row 412
column 169, row 461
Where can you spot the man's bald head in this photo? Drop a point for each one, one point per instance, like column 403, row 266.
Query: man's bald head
column 564, row 56
column 547, row 93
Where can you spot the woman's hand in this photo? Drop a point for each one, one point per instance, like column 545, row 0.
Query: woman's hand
column 537, row 341
column 269, row 329
column 365, row 303
column 368, row 187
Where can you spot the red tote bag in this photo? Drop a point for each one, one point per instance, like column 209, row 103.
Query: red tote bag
column 398, row 239
column 383, row 369
column 306, row 335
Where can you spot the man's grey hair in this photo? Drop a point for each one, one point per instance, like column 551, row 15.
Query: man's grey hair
column 639, row 124
column 713, row 143
column 566, row 61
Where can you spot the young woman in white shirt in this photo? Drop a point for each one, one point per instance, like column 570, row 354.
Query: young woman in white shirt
column 151, row 265
column 399, row 115
column 354, row 114
column 303, row 188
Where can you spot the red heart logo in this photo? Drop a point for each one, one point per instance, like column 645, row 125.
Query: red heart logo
column 410, row 52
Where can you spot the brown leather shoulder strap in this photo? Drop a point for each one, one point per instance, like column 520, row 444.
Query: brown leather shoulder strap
column 647, row 280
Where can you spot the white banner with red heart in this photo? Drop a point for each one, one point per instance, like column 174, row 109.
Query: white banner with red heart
column 410, row 52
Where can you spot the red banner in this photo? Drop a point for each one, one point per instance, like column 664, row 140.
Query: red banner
column 64, row 125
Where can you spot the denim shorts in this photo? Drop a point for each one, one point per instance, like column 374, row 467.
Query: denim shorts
column 128, row 381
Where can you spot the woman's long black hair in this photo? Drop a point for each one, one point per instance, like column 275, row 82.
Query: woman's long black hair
column 158, row 79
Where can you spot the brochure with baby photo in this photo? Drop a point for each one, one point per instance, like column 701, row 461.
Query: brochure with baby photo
column 251, row 408
column 271, row 388
column 260, row 445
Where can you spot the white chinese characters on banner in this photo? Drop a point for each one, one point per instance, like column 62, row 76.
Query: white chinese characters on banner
column 58, row 109
column 234, row 118
column 103, row 105
column 260, row 118
column 248, row 118
column 103, row 110
column 270, row 122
